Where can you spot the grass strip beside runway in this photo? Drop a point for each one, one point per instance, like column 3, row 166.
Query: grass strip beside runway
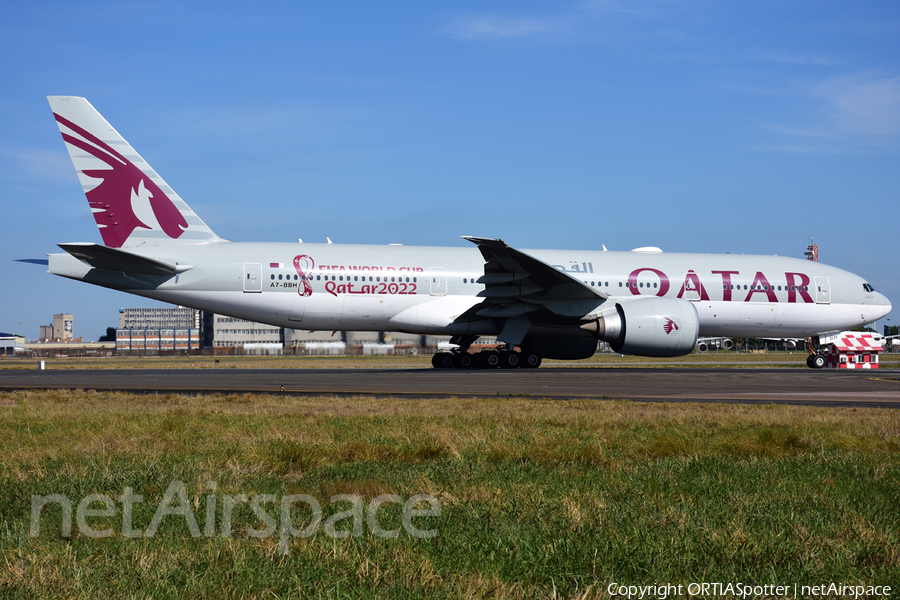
column 536, row 496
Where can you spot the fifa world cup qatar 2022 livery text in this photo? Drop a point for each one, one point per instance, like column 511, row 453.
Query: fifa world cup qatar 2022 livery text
column 538, row 303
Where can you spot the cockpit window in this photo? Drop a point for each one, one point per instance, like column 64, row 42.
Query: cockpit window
column 868, row 287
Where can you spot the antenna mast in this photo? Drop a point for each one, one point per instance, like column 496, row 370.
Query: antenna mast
column 812, row 251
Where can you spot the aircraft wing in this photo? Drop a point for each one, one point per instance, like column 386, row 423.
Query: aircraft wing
column 517, row 283
column 113, row 259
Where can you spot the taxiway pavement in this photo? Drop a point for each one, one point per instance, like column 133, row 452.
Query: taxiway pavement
column 873, row 388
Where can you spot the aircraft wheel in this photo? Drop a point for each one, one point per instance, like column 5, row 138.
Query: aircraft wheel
column 463, row 360
column 489, row 359
column 531, row 361
column 510, row 360
column 818, row 361
column 442, row 360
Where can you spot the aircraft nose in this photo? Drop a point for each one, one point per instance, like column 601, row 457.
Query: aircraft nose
column 885, row 307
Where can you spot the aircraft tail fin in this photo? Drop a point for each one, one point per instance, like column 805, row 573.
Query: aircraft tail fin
column 132, row 204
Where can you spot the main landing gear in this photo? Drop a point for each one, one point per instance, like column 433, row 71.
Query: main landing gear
column 486, row 359
column 815, row 361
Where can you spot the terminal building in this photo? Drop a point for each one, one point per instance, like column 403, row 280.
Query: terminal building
column 159, row 318
column 158, row 330
column 179, row 330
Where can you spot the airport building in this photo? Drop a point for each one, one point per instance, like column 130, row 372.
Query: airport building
column 158, row 330
column 166, row 330
column 159, row 318
column 155, row 341
column 11, row 345
column 62, row 329
column 247, row 337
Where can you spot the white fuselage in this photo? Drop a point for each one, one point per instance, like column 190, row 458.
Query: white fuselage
column 425, row 289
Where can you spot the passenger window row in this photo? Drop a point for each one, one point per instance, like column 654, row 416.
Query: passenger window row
column 378, row 278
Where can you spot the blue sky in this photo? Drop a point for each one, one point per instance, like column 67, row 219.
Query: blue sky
column 696, row 126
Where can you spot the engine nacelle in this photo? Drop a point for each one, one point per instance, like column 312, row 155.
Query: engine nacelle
column 649, row 326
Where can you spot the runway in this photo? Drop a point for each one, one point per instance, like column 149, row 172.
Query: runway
column 870, row 388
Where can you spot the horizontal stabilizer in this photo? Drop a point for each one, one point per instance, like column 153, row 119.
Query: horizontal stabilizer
column 113, row 259
column 34, row 261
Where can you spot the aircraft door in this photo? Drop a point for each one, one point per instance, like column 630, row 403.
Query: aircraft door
column 252, row 277
column 438, row 277
column 691, row 287
column 823, row 291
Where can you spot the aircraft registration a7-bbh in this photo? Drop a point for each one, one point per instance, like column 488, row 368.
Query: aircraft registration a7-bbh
column 538, row 303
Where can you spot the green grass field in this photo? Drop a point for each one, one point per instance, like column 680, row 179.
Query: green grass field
column 537, row 498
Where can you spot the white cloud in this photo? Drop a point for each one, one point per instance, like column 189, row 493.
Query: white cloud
column 624, row 7
column 851, row 114
column 39, row 165
column 493, row 27
column 862, row 104
column 802, row 60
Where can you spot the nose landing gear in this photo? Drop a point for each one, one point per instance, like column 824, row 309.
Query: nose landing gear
column 814, row 360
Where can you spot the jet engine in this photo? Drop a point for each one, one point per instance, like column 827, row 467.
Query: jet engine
column 653, row 326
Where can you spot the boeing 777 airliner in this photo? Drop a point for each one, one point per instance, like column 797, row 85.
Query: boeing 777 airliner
column 538, row 303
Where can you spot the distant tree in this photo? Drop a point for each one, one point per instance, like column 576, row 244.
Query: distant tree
column 110, row 335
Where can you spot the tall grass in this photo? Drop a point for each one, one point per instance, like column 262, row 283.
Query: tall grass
column 538, row 498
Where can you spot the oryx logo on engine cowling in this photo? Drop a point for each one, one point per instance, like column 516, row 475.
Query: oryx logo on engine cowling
column 670, row 326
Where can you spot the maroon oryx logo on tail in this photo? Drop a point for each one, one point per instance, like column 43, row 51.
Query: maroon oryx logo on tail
column 121, row 185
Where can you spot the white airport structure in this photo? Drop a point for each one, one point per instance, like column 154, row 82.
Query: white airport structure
column 154, row 330
column 11, row 345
